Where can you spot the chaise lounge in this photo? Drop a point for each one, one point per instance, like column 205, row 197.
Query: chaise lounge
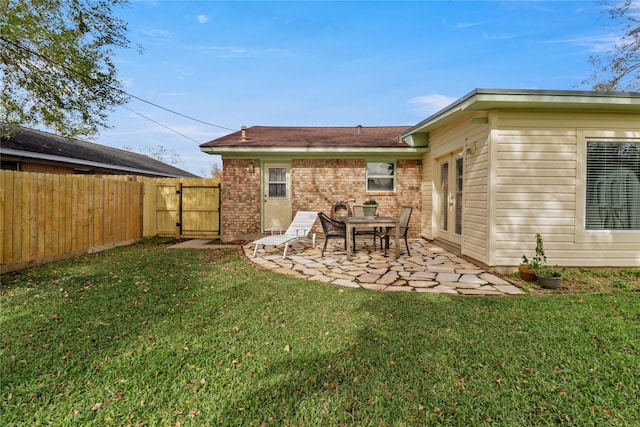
column 299, row 229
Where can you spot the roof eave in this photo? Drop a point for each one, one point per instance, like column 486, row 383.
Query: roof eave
column 253, row 152
column 85, row 163
column 489, row 99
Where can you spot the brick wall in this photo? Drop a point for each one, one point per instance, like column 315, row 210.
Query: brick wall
column 240, row 199
column 45, row 168
column 316, row 185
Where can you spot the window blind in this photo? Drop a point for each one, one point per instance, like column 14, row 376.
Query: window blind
column 613, row 185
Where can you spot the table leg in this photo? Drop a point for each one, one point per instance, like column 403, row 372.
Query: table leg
column 349, row 243
column 397, row 241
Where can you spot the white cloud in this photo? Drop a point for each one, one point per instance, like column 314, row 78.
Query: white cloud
column 157, row 33
column 202, row 18
column 429, row 104
column 462, row 25
column 595, row 44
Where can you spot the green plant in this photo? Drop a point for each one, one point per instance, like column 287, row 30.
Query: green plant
column 620, row 283
column 539, row 259
column 370, row 202
column 547, row 271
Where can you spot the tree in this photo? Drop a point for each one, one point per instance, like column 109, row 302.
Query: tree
column 159, row 153
column 56, row 63
column 216, row 171
column 618, row 69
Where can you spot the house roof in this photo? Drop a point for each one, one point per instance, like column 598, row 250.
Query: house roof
column 528, row 99
column 283, row 136
column 33, row 144
column 273, row 140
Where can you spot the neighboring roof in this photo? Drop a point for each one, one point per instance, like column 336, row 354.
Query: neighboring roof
column 38, row 145
column 529, row 99
column 265, row 140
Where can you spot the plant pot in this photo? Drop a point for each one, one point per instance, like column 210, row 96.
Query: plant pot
column 549, row 282
column 527, row 274
column 370, row 211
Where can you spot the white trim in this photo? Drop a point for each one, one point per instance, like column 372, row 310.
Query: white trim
column 582, row 235
column 523, row 99
column 317, row 152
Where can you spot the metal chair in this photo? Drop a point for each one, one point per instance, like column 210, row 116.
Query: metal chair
column 363, row 231
column 403, row 223
column 332, row 230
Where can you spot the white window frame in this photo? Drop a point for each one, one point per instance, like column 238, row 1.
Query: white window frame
column 393, row 177
column 581, row 232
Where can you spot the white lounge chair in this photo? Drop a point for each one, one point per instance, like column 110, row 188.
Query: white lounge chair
column 299, row 229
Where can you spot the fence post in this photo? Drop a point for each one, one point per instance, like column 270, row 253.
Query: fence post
column 179, row 212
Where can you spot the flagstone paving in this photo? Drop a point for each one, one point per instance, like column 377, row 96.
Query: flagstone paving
column 429, row 269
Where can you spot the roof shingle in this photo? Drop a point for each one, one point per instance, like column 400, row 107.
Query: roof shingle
column 44, row 143
column 283, row 136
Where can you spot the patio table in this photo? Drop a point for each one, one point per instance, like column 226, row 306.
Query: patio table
column 363, row 221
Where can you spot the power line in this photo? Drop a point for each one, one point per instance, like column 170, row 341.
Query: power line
column 159, row 124
column 45, row 58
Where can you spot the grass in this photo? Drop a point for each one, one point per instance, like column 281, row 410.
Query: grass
column 586, row 280
column 145, row 335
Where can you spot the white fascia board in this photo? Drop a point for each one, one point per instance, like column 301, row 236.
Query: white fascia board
column 80, row 162
column 317, row 152
column 488, row 99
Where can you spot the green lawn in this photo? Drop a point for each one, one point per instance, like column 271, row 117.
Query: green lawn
column 145, row 335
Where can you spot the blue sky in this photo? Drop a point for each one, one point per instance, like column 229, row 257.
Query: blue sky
column 335, row 63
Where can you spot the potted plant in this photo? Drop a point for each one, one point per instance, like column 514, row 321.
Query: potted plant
column 548, row 276
column 527, row 267
column 370, row 208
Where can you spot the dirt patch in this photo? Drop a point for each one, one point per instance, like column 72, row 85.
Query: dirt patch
column 586, row 281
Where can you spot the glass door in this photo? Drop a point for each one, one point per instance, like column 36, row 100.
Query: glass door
column 450, row 195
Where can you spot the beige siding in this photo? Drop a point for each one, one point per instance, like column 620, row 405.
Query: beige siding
column 452, row 139
column 538, row 181
column 475, row 226
column 426, row 219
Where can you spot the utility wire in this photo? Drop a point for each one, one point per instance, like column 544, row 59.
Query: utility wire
column 159, row 124
column 45, row 58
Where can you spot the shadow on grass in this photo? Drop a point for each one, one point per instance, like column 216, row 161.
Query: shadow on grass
column 160, row 337
column 425, row 360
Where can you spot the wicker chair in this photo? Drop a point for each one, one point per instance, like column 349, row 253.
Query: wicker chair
column 332, row 230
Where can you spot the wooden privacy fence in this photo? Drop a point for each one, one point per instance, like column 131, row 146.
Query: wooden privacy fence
column 185, row 208
column 46, row 217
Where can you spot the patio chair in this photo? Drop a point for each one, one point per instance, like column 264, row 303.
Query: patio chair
column 332, row 230
column 403, row 223
column 299, row 229
column 363, row 231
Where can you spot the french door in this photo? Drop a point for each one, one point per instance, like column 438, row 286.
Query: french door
column 450, row 191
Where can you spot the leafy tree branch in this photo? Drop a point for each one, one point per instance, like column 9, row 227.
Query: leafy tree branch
column 56, row 63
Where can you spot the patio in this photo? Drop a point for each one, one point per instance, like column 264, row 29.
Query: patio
column 429, row 269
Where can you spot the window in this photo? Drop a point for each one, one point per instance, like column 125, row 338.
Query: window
column 9, row 165
column 613, row 185
column 277, row 183
column 381, row 177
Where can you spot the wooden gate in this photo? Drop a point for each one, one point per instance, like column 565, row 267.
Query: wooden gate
column 188, row 210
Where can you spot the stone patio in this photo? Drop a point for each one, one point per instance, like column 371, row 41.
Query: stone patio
column 429, row 269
